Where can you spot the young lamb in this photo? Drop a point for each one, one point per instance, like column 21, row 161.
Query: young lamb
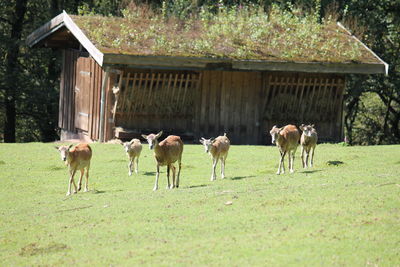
column 287, row 140
column 308, row 142
column 77, row 158
column 167, row 152
column 133, row 149
column 218, row 149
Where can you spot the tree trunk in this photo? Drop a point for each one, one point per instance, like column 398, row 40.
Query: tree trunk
column 11, row 84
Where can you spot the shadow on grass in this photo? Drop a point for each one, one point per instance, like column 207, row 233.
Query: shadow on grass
column 2, row 162
column 195, row 186
column 149, row 173
column 334, row 163
column 241, row 177
column 55, row 168
column 308, row 172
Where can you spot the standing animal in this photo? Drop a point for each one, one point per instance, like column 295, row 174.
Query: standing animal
column 77, row 158
column 308, row 142
column 133, row 149
column 218, row 149
column 287, row 140
column 166, row 152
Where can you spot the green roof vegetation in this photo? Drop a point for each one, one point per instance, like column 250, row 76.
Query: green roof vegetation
column 242, row 33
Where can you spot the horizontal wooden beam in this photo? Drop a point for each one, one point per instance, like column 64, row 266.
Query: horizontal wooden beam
column 183, row 63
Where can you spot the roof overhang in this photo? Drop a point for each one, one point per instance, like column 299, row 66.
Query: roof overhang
column 186, row 63
column 55, row 25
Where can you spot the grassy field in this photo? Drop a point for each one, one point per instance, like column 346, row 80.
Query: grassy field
column 343, row 212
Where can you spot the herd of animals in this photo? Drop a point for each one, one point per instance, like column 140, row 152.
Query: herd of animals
column 169, row 151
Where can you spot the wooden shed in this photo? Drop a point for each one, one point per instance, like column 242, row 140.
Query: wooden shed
column 106, row 94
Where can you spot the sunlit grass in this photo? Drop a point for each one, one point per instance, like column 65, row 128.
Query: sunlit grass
column 344, row 211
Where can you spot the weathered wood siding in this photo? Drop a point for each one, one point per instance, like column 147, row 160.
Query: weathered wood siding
column 246, row 105
column 79, row 105
column 229, row 102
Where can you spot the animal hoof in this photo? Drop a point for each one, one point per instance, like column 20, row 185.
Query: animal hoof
column 291, row 171
column 136, row 171
column 130, row 174
column 68, row 194
column 155, row 188
column 172, row 186
column 278, row 173
column 86, row 190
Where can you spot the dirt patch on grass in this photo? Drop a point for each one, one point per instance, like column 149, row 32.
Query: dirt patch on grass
column 34, row 249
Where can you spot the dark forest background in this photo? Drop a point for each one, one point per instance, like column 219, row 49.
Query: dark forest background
column 29, row 78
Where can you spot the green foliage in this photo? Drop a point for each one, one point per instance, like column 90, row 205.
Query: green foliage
column 242, row 32
column 341, row 212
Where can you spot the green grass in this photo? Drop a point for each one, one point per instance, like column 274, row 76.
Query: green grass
column 246, row 33
column 343, row 212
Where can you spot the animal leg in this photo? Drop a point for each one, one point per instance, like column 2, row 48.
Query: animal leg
column 302, row 157
column 137, row 165
column 223, row 167
column 157, row 175
column 179, row 172
column 87, row 180
column 281, row 163
column 71, row 180
column 130, row 167
column 173, row 176
column 168, row 169
column 291, row 160
column 80, row 179
column 312, row 157
column 213, row 175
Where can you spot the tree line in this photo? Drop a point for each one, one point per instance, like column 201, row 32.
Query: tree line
column 29, row 78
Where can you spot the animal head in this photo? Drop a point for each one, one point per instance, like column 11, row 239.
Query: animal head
column 64, row 150
column 275, row 133
column 207, row 143
column 152, row 139
column 127, row 146
column 307, row 129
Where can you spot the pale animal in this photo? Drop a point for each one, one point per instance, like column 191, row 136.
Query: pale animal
column 308, row 142
column 133, row 150
column 287, row 140
column 77, row 158
column 166, row 153
column 218, row 149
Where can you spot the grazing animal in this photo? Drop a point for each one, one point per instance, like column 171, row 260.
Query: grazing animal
column 218, row 149
column 308, row 142
column 77, row 158
column 133, row 149
column 166, row 152
column 287, row 140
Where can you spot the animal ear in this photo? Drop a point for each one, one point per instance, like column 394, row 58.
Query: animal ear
column 144, row 136
column 212, row 140
column 301, row 127
column 312, row 125
column 57, row 147
column 131, row 142
column 159, row 134
column 280, row 129
column 71, row 145
column 202, row 140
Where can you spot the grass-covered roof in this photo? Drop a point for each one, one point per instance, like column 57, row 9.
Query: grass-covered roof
column 237, row 33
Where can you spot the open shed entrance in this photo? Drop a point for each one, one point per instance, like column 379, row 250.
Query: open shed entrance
column 153, row 100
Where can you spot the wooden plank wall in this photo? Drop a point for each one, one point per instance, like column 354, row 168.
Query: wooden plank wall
column 67, row 84
column 246, row 105
column 229, row 104
column 67, row 103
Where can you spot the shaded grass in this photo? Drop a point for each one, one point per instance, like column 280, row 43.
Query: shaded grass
column 344, row 214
